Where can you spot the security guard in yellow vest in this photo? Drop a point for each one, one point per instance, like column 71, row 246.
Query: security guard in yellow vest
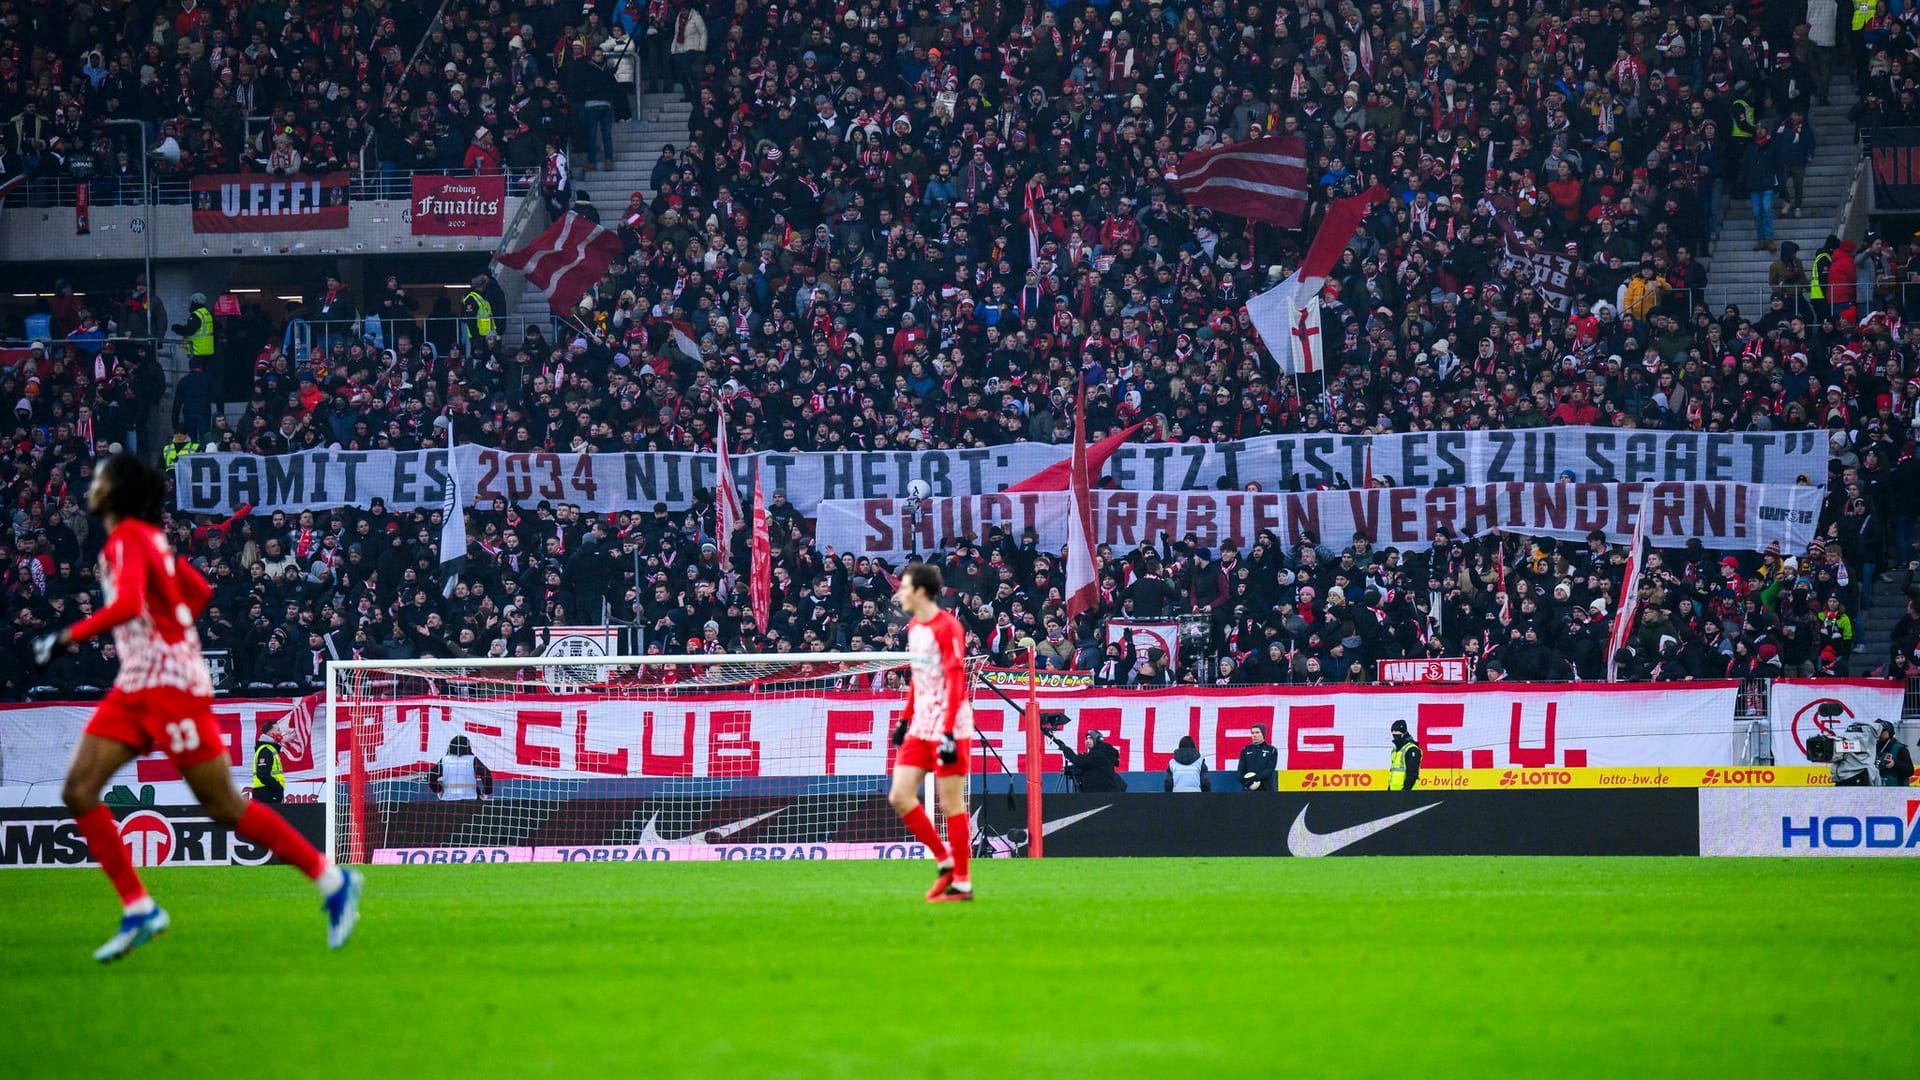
column 269, row 776
column 180, row 447
column 1863, row 13
column 1404, row 769
column 1740, row 129
column 198, row 329
column 1821, row 277
column 477, row 310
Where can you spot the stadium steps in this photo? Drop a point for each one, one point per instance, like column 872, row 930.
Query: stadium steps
column 1873, row 639
column 1738, row 274
column 635, row 148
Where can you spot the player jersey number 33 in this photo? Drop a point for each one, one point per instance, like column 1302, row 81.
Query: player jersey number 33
column 939, row 666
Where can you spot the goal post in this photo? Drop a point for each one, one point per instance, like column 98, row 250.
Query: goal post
column 615, row 759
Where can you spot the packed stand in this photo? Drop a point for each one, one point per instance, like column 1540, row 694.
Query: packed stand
column 370, row 86
column 918, row 228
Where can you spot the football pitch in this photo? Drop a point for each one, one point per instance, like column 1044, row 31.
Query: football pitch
column 1380, row 967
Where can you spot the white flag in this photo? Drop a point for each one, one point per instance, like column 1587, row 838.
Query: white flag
column 1288, row 318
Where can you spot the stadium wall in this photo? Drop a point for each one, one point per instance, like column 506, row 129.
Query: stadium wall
column 1329, row 738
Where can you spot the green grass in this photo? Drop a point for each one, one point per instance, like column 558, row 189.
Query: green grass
column 1383, row 967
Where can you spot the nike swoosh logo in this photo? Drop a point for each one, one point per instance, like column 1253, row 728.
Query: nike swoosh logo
column 1307, row 844
column 1051, row 827
column 650, row 835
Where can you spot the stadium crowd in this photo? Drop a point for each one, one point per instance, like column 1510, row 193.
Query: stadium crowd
column 921, row 225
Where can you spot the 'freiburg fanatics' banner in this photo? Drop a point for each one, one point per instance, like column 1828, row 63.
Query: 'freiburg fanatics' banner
column 1740, row 517
column 254, row 202
column 458, row 205
column 604, row 483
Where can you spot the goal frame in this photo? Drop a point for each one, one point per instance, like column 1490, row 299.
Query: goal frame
column 356, row 777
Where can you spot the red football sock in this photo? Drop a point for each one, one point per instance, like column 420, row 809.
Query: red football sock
column 921, row 826
column 959, row 844
column 103, row 839
column 263, row 826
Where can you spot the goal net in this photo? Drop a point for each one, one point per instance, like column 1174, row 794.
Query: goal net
column 612, row 759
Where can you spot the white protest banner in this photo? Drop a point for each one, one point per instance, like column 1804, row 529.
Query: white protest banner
column 1729, row 516
column 218, row 483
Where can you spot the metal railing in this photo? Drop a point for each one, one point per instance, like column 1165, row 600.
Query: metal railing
column 433, row 334
column 54, row 192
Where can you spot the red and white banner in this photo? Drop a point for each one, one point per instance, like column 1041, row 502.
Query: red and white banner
column 1148, row 635
column 1425, row 669
column 37, row 741
column 743, row 735
column 1795, row 707
column 724, row 736
column 251, row 202
column 1724, row 515
column 458, row 205
column 82, row 209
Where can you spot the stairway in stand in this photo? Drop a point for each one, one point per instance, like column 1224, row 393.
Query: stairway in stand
column 1738, row 274
column 635, row 149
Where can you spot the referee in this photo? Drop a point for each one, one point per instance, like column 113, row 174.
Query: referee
column 1403, row 770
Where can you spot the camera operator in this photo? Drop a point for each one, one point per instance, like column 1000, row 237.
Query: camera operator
column 1893, row 758
column 1097, row 768
column 1853, row 759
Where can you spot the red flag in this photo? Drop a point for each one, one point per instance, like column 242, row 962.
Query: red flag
column 1336, row 232
column 1261, row 179
column 82, row 208
column 566, row 260
column 760, row 562
column 1059, row 475
column 1083, row 590
column 1629, row 592
column 726, row 497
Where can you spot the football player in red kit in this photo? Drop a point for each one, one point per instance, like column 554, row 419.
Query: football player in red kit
column 162, row 698
column 935, row 732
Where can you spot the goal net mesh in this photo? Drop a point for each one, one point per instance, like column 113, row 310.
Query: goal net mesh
column 617, row 759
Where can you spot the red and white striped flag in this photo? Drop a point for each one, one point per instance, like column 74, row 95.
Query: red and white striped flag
column 1629, row 605
column 726, row 497
column 1083, row 588
column 566, row 260
column 760, row 559
column 1261, row 179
